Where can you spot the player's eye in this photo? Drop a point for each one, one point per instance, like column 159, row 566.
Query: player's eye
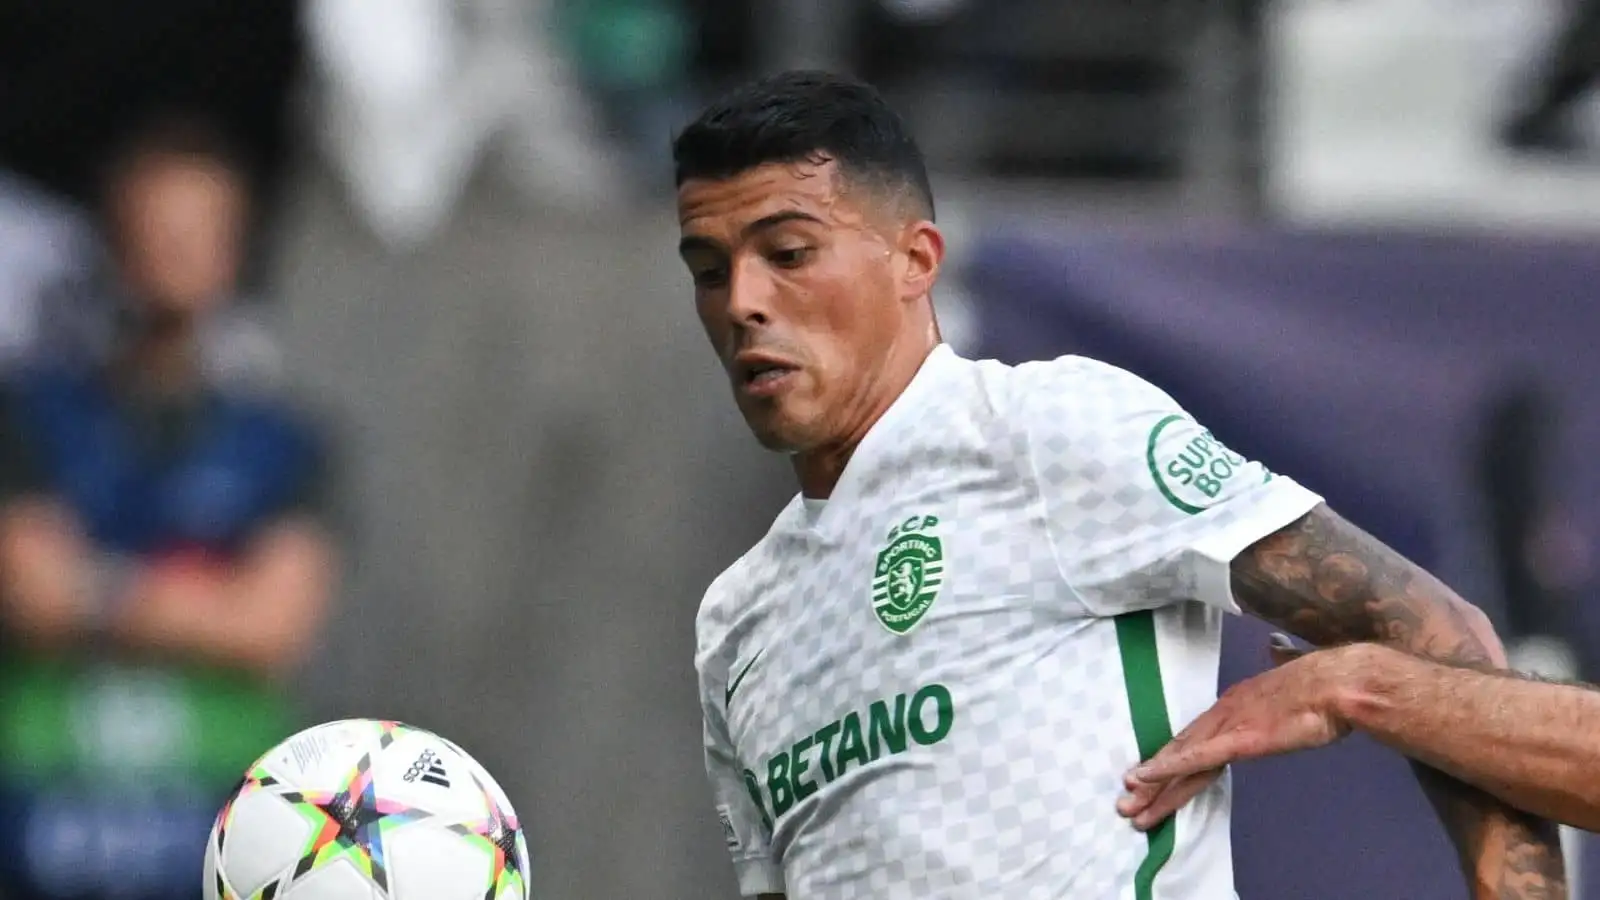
column 790, row 257
column 710, row 278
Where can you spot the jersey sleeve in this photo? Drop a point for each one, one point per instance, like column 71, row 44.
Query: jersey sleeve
column 745, row 827
column 1143, row 504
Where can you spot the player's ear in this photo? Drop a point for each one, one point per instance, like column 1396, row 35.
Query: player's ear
column 922, row 248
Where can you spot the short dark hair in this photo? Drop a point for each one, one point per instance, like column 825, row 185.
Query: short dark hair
column 172, row 135
column 804, row 116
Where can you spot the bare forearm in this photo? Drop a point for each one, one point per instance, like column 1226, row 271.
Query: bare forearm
column 48, row 580
column 1331, row 583
column 221, row 635
column 259, row 615
column 1533, row 744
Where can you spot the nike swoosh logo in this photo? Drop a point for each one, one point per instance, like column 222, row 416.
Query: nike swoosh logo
column 734, row 685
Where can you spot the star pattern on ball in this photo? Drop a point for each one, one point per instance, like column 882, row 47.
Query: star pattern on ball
column 257, row 778
column 500, row 830
column 342, row 782
column 353, row 821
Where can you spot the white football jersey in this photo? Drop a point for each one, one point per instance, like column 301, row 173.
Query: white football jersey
column 929, row 685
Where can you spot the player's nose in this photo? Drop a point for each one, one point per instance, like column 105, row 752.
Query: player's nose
column 750, row 296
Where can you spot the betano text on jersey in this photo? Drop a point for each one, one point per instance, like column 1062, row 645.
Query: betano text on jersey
column 929, row 685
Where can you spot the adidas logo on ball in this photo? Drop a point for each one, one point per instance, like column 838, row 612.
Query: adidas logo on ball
column 429, row 769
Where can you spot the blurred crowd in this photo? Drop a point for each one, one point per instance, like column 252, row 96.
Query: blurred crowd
column 166, row 552
column 165, row 549
column 168, row 547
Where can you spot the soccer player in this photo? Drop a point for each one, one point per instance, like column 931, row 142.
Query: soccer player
column 1534, row 744
column 999, row 587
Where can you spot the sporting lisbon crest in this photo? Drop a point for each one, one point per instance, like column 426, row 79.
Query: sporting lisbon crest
column 909, row 571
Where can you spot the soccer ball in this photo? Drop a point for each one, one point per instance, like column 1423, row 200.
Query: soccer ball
column 366, row 809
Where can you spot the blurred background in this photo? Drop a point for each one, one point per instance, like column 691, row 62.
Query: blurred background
column 348, row 370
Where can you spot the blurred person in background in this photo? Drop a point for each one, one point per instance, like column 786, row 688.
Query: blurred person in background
column 416, row 94
column 634, row 57
column 1545, row 121
column 164, row 556
column 47, row 249
column 76, row 74
column 57, row 287
column 1536, row 550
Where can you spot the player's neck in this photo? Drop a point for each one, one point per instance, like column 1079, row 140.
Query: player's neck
column 819, row 469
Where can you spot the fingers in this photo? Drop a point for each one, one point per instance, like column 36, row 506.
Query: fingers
column 1176, row 773
column 1140, row 794
column 1187, row 755
column 1148, row 805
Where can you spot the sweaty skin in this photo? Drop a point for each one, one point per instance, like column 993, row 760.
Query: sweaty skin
column 794, row 266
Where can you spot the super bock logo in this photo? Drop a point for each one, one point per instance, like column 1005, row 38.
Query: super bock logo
column 909, row 571
column 1190, row 467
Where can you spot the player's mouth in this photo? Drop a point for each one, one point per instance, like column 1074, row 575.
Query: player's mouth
column 758, row 375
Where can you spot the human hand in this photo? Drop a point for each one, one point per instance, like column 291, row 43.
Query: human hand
column 1287, row 708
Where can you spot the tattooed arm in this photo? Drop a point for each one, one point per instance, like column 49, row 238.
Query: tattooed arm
column 1329, row 582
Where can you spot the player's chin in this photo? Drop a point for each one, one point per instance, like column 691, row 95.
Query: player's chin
column 778, row 440
column 777, row 428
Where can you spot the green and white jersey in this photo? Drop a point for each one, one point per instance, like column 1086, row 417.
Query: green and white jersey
column 930, row 685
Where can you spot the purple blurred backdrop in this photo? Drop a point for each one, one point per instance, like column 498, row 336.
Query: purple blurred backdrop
column 1363, row 366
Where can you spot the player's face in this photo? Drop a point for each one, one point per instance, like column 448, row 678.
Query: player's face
column 795, row 281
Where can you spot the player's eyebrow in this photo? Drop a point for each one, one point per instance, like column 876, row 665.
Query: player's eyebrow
column 779, row 218
column 698, row 242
